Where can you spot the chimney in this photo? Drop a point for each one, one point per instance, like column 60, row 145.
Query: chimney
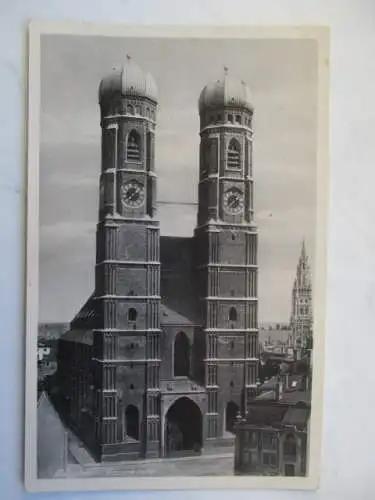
column 278, row 390
column 285, row 379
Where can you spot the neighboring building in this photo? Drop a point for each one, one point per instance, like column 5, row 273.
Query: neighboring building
column 274, row 337
column 301, row 320
column 51, row 331
column 46, row 362
column 273, row 438
column 48, row 336
column 43, row 352
column 52, row 439
column 164, row 353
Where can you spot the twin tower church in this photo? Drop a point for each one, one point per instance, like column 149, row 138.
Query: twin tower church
column 163, row 356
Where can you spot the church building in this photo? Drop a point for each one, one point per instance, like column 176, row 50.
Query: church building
column 163, row 356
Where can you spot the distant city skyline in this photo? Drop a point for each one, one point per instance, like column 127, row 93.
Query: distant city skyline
column 282, row 75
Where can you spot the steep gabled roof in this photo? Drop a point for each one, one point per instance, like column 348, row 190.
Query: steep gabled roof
column 79, row 335
column 170, row 317
column 296, row 417
column 87, row 315
column 265, row 414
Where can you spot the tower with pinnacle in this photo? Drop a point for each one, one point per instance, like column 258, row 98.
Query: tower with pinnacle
column 301, row 320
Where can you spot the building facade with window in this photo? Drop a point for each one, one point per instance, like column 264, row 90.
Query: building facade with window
column 164, row 354
column 273, row 437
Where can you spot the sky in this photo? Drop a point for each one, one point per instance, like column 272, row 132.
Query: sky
column 282, row 76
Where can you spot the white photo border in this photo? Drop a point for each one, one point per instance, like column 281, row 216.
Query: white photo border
column 311, row 481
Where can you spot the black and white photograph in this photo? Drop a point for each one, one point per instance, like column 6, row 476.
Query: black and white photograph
column 176, row 257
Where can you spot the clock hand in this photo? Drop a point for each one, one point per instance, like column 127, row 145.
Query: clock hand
column 132, row 194
column 233, row 201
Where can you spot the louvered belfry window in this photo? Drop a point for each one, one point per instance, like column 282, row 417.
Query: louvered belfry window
column 133, row 152
column 234, row 154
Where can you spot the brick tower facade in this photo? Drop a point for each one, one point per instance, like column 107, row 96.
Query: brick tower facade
column 127, row 279
column 226, row 240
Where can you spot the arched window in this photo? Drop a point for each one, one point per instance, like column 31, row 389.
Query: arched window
column 238, row 119
column 181, row 361
column 290, row 446
column 232, row 314
column 130, row 110
column 234, row 154
column 132, row 422
column 132, row 315
column 133, row 151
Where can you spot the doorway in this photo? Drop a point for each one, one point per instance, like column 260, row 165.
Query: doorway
column 183, row 426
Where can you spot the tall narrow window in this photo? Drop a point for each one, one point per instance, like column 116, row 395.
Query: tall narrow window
column 290, row 446
column 232, row 314
column 234, row 154
column 133, row 151
column 132, row 315
column 181, row 360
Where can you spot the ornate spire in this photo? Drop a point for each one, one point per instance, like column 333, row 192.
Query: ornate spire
column 301, row 315
column 225, row 70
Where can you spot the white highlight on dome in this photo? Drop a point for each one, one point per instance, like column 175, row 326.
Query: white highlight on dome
column 228, row 91
column 128, row 80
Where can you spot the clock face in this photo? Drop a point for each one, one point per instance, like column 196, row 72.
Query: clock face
column 234, row 201
column 133, row 194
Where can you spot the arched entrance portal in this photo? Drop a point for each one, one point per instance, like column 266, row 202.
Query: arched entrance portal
column 132, row 422
column 183, row 428
column 230, row 415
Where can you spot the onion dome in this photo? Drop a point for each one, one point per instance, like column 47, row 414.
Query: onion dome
column 128, row 80
column 227, row 92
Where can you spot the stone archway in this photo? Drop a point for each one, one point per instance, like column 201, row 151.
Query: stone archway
column 132, row 422
column 183, row 428
column 231, row 412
